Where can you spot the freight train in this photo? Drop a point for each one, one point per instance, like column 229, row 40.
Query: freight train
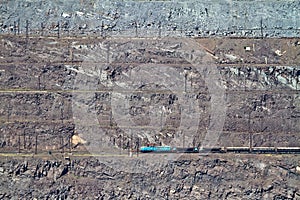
column 255, row 150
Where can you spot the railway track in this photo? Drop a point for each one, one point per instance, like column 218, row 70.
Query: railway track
column 243, row 90
column 66, row 36
column 178, row 65
column 124, row 153
column 55, row 155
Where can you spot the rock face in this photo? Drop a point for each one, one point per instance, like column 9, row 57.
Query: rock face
column 106, row 77
column 153, row 18
column 49, row 90
column 191, row 177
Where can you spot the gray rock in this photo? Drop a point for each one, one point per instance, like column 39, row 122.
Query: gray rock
column 185, row 18
column 268, row 188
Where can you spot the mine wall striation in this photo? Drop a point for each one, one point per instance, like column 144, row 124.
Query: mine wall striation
column 46, row 45
column 38, row 82
column 152, row 18
column 217, row 177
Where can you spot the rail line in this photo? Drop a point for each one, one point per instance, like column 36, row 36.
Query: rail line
column 112, row 34
column 178, row 65
column 125, row 153
column 46, row 154
column 188, row 92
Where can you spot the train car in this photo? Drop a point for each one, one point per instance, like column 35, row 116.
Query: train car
column 211, row 150
column 288, row 149
column 156, row 149
column 237, row 149
column 186, row 150
column 264, row 150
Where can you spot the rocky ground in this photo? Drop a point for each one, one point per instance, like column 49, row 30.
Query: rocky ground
column 237, row 18
column 43, row 85
column 215, row 176
column 84, row 83
column 46, row 100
